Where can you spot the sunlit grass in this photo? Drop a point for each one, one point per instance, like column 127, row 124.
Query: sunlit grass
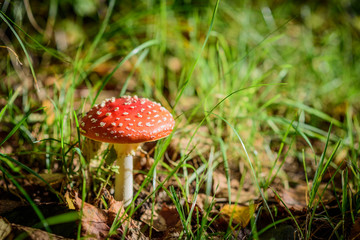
column 250, row 73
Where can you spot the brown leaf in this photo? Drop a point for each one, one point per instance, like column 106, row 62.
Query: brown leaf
column 220, row 188
column 54, row 179
column 297, row 197
column 220, row 184
column 93, row 221
column 7, row 205
column 5, row 228
column 355, row 230
column 116, row 207
column 32, row 233
column 171, row 216
column 96, row 222
column 163, row 220
column 158, row 222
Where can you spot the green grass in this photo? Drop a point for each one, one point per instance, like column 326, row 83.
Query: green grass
column 270, row 82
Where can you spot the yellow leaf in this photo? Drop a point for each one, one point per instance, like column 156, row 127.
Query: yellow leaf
column 52, row 179
column 69, row 201
column 239, row 214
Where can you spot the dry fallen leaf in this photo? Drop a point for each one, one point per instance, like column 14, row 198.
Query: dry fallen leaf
column 96, row 222
column 53, row 179
column 5, row 228
column 355, row 230
column 158, row 222
column 32, row 233
column 240, row 215
column 165, row 219
column 297, row 197
column 7, row 205
column 220, row 188
column 170, row 214
column 93, row 220
column 69, row 201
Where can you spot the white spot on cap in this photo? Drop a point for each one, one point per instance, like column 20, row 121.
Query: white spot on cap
column 149, row 113
column 139, row 115
column 83, row 124
column 98, row 112
column 157, row 115
column 132, row 107
column 112, row 99
column 108, row 114
column 102, row 104
column 142, row 101
column 96, row 134
column 114, row 124
column 117, row 118
column 127, row 119
column 121, row 132
column 162, row 109
column 142, row 110
column 127, row 103
column 148, row 124
column 130, row 124
column 127, row 128
column 154, row 111
column 164, row 118
column 116, row 109
column 112, row 132
column 93, row 120
column 102, row 124
column 128, row 135
column 139, row 124
column 89, row 116
column 125, row 113
column 120, row 124
column 159, row 121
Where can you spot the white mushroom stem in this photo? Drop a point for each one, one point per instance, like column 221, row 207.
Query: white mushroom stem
column 124, row 179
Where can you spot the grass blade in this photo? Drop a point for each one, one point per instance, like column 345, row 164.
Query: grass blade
column 18, row 125
column 2, row 16
column 132, row 53
column 27, row 197
column 250, row 163
column 3, row 111
column 187, row 80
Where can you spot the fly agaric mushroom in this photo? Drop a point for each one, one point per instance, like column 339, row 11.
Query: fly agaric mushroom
column 126, row 122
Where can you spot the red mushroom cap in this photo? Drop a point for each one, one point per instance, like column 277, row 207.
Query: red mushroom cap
column 127, row 120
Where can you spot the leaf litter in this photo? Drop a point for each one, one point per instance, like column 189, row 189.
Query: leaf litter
column 164, row 221
column 96, row 222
